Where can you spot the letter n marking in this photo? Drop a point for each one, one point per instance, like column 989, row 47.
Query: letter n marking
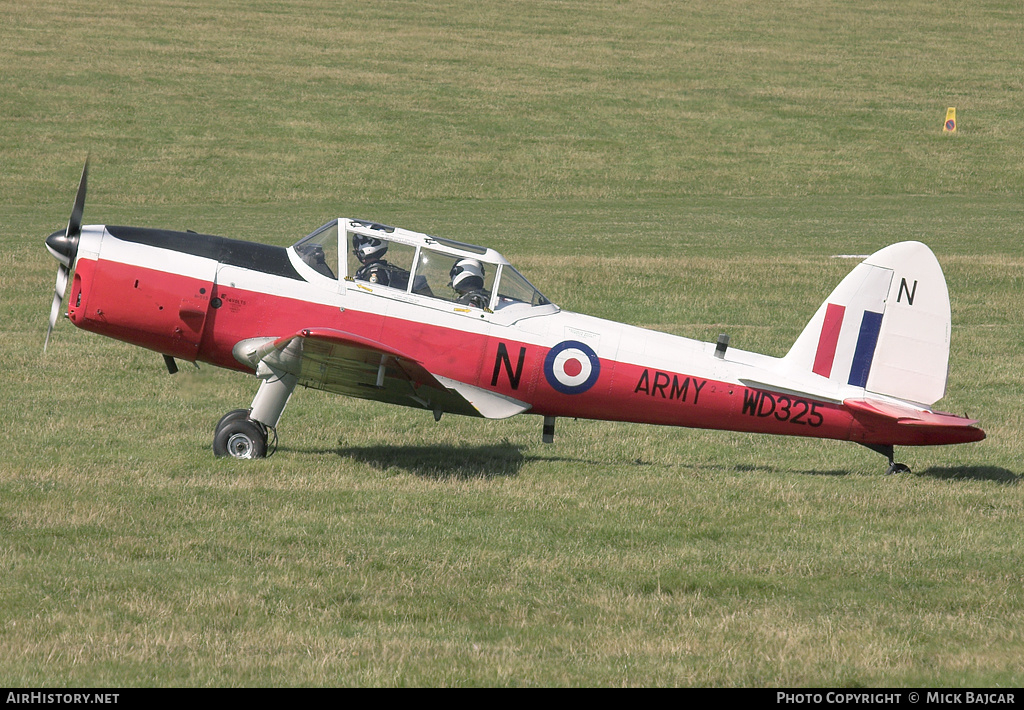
column 904, row 289
column 501, row 359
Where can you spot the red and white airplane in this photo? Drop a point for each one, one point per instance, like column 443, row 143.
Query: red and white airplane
column 382, row 313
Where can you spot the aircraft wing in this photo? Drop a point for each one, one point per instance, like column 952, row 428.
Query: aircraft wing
column 349, row 364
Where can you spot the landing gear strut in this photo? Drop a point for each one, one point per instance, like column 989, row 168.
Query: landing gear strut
column 887, row 451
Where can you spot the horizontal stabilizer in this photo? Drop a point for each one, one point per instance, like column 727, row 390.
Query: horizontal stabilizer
column 956, row 429
column 783, row 385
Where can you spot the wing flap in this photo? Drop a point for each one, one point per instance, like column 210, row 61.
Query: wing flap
column 352, row 365
column 490, row 404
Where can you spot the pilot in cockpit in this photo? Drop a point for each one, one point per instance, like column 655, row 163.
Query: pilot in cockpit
column 468, row 281
column 370, row 252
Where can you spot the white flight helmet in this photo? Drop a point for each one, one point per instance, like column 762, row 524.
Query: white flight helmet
column 366, row 248
column 467, row 274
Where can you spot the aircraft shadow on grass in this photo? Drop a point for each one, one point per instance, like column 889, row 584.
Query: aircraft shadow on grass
column 500, row 460
column 771, row 469
column 446, row 461
column 506, row 459
column 973, row 473
column 946, row 473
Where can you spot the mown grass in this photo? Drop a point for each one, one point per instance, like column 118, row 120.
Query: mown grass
column 255, row 102
column 691, row 168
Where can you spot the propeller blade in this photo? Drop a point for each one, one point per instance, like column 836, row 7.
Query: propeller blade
column 58, row 297
column 75, row 223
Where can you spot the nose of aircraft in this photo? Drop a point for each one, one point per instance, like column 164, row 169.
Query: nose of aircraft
column 63, row 246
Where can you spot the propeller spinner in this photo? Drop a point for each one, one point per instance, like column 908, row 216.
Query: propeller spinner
column 64, row 248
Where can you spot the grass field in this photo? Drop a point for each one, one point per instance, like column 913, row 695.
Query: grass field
column 689, row 167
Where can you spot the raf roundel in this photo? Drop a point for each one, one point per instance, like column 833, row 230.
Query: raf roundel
column 571, row 367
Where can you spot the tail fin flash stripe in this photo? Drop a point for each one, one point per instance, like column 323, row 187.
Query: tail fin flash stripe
column 825, row 355
column 864, row 353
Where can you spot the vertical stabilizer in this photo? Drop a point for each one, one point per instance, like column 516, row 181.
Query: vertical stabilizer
column 884, row 329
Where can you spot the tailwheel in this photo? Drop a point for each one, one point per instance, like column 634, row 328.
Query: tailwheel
column 888, row 451
column 239, row 437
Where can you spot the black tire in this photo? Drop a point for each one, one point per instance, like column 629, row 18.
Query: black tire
column 240, row 439
column 231, row 416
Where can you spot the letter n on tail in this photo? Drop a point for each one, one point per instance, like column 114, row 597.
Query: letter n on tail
column 908, row 291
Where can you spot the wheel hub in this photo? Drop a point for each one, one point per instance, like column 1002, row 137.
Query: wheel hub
column 240, row 446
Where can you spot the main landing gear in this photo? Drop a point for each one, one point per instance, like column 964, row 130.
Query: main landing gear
column 245, row 433
column 238, row 436
column 887, row 451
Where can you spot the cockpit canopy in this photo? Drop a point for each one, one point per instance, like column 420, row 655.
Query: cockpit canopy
column 373, row 255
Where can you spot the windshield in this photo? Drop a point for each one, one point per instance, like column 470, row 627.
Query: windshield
column 514, row 288
column 320, row 249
